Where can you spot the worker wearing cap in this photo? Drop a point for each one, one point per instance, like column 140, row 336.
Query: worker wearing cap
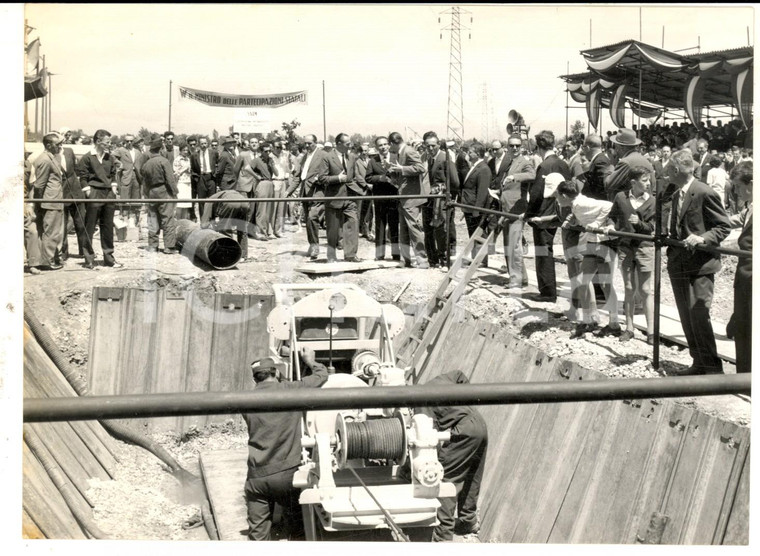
column 158, row 183
column 274, row 450
column 463, row 459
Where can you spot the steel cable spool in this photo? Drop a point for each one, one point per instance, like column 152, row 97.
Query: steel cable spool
column 383, row 438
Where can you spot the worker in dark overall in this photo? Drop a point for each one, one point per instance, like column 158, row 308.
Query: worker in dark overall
column 463, row 459
column 274, row 451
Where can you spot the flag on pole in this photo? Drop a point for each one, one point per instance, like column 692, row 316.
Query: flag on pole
column 33, row 57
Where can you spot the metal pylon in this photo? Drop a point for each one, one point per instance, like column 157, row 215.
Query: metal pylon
column 455, row 118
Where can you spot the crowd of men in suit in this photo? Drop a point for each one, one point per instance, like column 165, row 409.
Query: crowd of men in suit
column 351, row 186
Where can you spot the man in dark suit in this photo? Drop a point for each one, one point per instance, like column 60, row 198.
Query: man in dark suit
column 598, row 168
column 513, row 199
column 740, row 325
column 202, row 166
column 433, row 213
column 541, row 215
column 386, row 210
column 48, row 185
column 406, row 170
column 697, row 218
column 311, row 165
column 474, row 191
column 97, row 174
column 337, row 175
column 702, row 159
column 224, row 175
column 76, row 211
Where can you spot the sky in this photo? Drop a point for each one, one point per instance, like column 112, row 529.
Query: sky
column 385, row 67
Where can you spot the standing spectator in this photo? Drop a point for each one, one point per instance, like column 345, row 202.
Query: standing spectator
column 697, row 218
column 596, row 169
column 337, row 175
column 192, row 142
column 48, row 185
column 229, row 217
column 634, row 212
column 74, row 210
column 598, row 257
column 31, row 238
column 717, row 179
column 159, row 183
column 463, row 459
column 264, row 168
column 541, row 215
column 406, row 169
column 127, row 177
column 202, row 165
column 434, row 214
column 474, row 192
column 498, row 163
column 181, row 168
column 386, row 210
column 365, row 205
column 626, row 144
column 170, row 150
column 65, row 133
column 514, row 194
column 702, row 157
column 280, row 177
column 225, row 175
column 740, row 325
column 97, row 172
column 311, row 165
column 274, row 450
column 215, row 145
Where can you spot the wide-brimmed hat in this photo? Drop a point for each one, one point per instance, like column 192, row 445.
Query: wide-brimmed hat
column 551, row 182
column 625, row 138
column 227, row 140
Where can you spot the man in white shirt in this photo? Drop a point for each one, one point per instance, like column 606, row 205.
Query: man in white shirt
column 282, row 168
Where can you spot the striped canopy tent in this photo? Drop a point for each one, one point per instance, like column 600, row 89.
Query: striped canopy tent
column 653, row 82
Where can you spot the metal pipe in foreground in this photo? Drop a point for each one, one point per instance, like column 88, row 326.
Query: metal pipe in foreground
column 253, row 200
column 210, row 246
column 223, row 403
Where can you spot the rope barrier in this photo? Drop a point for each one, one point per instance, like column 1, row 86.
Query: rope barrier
column 245, row 200
column 664, row 240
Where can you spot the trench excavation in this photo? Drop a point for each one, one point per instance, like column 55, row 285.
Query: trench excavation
column 623, row 472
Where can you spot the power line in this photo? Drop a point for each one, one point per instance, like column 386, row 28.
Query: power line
column 455, row 117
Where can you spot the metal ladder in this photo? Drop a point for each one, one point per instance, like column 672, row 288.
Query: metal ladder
column 415, row 348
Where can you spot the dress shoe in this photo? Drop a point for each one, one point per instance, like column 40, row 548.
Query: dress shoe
column 53, row 266
column 626, row 336
column 89, row 266
column 114, row 264
column 34, row 270
column 259, row 237
column 314, row 256
column 608, row 330
column 395, row 257
column 379, row 258
column 278, row 234
column 371, row 237
column 688, row 371
column 581, row 329
column 406, row 263
column 170, row 252
column 352, row 260
column 545, row 298
column 424, row 265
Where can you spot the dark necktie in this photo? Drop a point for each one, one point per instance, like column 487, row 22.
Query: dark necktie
column 674, row 219
column 343, row 161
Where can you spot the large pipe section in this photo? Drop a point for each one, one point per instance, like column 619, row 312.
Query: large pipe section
column 224, row 403
column 215, row 249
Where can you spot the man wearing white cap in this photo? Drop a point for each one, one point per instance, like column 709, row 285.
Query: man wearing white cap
column 65, row 133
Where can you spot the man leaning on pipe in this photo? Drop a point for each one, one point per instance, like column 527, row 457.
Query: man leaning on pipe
column 274, row 451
